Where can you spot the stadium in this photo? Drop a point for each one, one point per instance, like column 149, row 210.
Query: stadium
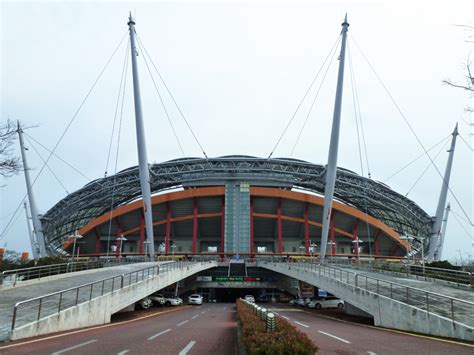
column 235, row 205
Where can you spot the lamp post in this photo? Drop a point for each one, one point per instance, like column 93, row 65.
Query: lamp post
column 173, row 247
column 312, row 248
column 411, row 238
column 75, row 236
column 121, row 239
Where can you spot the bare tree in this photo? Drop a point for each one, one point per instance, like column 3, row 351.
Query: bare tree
column 9, row 164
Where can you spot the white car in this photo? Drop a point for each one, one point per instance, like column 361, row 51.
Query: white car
column 250, row 298
column 158, row 299
column 195, row 299
column 327, row 303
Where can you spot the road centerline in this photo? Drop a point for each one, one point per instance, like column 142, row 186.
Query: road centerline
column 335, row 337
column 194, row 317
column 123, row 352
column 183, row 322
column 187, row 347
column 302, row 324
column 74, row 347
column 158, row 334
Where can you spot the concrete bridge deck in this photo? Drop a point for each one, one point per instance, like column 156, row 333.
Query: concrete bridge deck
column 400, row 303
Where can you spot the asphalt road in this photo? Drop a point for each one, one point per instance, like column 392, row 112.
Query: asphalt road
column 206, row 329
column 341, row 337
column 212, row 329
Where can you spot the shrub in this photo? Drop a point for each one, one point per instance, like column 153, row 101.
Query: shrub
column 285, row 340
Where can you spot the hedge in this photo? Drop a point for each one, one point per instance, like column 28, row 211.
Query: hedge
column 285, row 340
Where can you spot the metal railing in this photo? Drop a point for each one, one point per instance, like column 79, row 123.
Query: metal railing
column 34, row 309
column 38, row 272
column 452, row 308
column 427, row 272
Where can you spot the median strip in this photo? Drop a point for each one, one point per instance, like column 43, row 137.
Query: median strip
column 158, row 334
column 335, row 337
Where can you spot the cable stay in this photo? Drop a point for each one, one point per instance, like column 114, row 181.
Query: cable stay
column 457, row 219
column 358, row 119
column 314, row 100
column 58, row 157
column 466, row 143
column 143, row 48
column 444, row 140
column 330, row 54
column 119, row 94
column 162, row 103
column 412, row 130
column 47, row 165
column 76, row 113
column 425, row 170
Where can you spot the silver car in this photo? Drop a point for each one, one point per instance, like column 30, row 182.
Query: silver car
column 195, row 299
column 326, row 303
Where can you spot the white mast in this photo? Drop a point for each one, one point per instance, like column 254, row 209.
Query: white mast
column 33, row 243
column 333, row 147
column 439, row 250
column 141, row 143
column 37, row 227
column 436, row 229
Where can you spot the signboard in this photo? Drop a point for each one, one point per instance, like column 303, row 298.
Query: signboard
column 322, row 293
column 204, row 278
column 306, row 290
column 236, row 278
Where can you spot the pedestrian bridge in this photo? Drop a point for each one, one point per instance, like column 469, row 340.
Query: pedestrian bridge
column 85, row 298
column 394, row 302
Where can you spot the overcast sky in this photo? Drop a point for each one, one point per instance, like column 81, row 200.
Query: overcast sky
column 238, row 71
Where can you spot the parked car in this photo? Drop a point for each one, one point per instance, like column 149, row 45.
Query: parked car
column 250, row 298
column 327, row 303
column 145, row 303
column 195, row 299
column 293, row 301
column 300, row 302
column 158, row 299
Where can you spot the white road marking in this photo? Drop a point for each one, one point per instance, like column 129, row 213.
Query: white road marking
column 371, row 353
column 203, row 312
column 187, row 348
column 184, row 321
column 158, row 334
column 225, row 308
column 303, row 325
column 194, row 317
column 335, row 337
column 123, row 352
column 287, row 318
column 74, row 347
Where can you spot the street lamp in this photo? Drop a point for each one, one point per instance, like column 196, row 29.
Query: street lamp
column 173, row 247
column 312, row 248
column 75, row 236
column 411, row 238
column 121, row 239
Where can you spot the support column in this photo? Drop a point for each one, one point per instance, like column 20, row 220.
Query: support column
column 377, row 243
column 119, row 234
column 97, row 241
column 333, row 239
column 356, row 238
column 252, row 253
column 142, row 233
column 306, row 229
column 280, row 237
column 395, row 248
column 168, row 229
column 223, row 225
column 195, row 223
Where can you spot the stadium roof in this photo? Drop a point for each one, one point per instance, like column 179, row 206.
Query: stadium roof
column 102, row 195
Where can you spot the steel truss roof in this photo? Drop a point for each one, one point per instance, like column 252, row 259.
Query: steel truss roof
column 99, row 196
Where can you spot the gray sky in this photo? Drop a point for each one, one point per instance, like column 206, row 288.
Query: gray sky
column 238, row 71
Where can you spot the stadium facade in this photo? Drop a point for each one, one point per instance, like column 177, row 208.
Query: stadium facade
column 235, row 205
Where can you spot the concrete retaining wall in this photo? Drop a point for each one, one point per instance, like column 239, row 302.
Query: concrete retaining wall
column 387, row 312
column 99, row 310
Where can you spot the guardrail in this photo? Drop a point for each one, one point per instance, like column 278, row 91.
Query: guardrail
column 450, row 307
column 34, row 309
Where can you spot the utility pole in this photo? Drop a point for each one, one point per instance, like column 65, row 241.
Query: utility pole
column 33, row 243
column 141, row 143
column 333, row 147
column 433, row 253
column 37, row 227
